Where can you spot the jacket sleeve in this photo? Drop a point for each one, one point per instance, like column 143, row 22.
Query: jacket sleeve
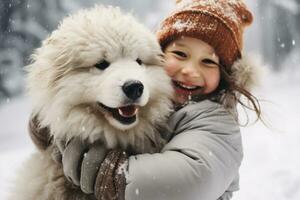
column 200, row 162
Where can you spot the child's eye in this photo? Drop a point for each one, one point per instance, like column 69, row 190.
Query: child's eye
column 180, row 54
column 209, row 62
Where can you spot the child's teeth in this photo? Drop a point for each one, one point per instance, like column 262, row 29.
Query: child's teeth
column 187, row 87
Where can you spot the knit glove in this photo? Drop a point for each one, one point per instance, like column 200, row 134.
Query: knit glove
column 94, row 168
column 111, row 181
column 81, row 161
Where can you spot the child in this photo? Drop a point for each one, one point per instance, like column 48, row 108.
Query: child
column 202, row 41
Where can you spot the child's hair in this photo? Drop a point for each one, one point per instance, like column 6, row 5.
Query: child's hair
column 219, row 23
column 234, row 91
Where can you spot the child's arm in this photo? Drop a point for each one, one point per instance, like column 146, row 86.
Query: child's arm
column 200, row 162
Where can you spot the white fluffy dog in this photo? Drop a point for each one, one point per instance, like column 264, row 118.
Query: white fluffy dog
column 98, row 76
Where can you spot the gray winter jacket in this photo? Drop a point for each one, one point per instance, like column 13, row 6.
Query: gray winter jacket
column 200, row 161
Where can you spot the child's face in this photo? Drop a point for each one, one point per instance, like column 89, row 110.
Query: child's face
column 193, row 66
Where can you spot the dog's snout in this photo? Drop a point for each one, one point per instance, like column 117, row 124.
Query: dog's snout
column 133, row 89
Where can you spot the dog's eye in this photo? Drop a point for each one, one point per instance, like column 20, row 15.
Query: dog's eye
column 102, row 65
column 139, row 61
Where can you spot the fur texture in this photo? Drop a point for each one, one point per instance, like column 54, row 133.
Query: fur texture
column 246, row 73
column 67, row 91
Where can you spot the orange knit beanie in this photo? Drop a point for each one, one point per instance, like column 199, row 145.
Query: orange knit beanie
column 220, row 23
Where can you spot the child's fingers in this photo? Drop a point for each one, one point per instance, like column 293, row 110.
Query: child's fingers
column 71, row 159
column 90, row 166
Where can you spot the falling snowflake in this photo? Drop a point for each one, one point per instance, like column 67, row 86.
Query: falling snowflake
column 122, row 169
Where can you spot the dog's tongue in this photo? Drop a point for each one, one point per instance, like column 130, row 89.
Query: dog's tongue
column 128, row 111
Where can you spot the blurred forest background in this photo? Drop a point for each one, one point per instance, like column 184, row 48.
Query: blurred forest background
column 25, row 23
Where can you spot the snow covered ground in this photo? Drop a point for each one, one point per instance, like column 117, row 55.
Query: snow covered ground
column 271, row 166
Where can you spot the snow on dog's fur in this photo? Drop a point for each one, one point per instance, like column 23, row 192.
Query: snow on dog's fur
column 98, row 76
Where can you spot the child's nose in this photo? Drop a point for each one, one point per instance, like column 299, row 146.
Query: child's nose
column 190, row 71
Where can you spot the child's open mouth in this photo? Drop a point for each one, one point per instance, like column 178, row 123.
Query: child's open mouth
column 186, row 89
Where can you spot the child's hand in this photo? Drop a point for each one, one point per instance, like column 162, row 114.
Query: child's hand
column 81, row 161
column 94, row 168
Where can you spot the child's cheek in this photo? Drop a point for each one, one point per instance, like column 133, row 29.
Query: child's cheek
column 171, row 66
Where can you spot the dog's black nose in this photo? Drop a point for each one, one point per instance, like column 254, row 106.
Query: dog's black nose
column 133, row 89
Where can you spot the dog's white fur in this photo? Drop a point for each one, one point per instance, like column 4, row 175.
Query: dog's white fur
column 65, row 87
column 64, row 84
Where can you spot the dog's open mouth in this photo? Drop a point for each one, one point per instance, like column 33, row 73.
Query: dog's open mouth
column 125, row 115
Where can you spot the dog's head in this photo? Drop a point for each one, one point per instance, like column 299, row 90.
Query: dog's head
column 100, row 70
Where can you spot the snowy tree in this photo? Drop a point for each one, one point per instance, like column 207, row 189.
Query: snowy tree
column 23, row 24
column 280, row 29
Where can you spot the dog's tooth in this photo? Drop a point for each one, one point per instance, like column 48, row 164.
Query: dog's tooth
column 124, row 115
column 121, row 112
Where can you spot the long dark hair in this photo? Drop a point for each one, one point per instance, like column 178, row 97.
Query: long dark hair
column 229, row 87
